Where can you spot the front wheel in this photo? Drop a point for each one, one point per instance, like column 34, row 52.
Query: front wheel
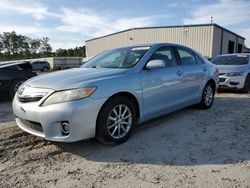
column 14, row 87
column 116, row 120
column 207, row 96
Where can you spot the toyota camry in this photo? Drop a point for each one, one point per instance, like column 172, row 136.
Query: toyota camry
column 113, row 92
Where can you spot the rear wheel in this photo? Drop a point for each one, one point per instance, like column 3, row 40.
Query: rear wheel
column 14, row 87
column 246, row 87
column 207, row 96
column 116, row 120
column 45, row 69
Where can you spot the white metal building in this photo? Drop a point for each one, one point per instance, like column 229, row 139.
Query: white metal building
column 208, row 39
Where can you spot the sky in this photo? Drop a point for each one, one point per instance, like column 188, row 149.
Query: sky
column 68, row 23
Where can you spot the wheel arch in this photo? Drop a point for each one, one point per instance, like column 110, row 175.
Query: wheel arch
column 126, row 94
column 213, row 84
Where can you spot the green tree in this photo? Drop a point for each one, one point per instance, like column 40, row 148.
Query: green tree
column 34, row 45
column 45, row 46
column 61, row 52
column 70, row 52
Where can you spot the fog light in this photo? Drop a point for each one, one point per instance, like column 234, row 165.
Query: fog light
column 65, row 128
column 234, row 83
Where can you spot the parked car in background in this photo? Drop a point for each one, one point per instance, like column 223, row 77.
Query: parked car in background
column 12, row 75
column 234, row 71
column 114, row 91
column 41, row 65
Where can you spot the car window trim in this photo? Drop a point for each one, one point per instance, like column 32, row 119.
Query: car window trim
column 174, row 53
column 176, row 47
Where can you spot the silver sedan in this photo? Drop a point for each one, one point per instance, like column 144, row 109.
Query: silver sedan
column 113, row 92
column 234, row 71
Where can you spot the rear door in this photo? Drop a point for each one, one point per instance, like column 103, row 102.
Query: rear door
column 162, row 88
column 194, row 74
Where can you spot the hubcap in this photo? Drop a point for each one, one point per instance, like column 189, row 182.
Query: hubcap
column 208, row 95
column 119, row 121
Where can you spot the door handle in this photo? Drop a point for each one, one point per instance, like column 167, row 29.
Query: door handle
column 204, row 69
column 179, row 73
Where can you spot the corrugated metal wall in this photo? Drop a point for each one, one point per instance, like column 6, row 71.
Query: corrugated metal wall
column 209, row 40
column 221, row 40
column 198, row 38
column 217, row 37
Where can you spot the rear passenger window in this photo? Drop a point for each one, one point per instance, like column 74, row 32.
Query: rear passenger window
column 166, row 54
column 187, row 57
column 199, row 60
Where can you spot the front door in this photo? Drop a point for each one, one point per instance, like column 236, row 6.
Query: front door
column 162, row 88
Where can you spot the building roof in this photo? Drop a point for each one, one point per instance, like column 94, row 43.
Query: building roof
column 174, row 26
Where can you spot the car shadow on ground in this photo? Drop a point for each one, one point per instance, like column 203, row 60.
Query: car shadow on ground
column 187, row 137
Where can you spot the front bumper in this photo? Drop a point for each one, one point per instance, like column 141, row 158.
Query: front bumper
column 80, row 114
column 231, row 83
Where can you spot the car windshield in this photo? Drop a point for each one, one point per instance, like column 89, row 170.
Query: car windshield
column 230, row 60
column 117, row 58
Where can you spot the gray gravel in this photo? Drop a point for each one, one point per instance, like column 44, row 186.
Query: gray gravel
column 188, row 148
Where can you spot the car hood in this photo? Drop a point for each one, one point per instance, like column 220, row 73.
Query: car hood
column 231, row 68
column 72, row 78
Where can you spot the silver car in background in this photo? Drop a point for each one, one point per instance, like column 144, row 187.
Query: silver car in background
column 113, row 92
column 234, row 71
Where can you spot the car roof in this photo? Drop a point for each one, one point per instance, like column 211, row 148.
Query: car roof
column 8, row 64
column 39, row 61
column 153, row 44
column 244, row 54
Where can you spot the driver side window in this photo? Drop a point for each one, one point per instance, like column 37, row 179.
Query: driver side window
column 166, row 54
column 113, row 59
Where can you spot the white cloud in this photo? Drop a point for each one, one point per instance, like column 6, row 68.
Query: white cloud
column 37, row 10
column 25, row 7
column 245, row 32
column 225, row 12
column 21, row 29
column 172, row 4
column 93, row 24
column 78, row 22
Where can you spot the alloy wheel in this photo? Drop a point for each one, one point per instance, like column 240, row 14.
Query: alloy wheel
column 119, row 121
column 208, row 95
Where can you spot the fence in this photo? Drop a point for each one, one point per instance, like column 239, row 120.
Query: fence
column 58, row 62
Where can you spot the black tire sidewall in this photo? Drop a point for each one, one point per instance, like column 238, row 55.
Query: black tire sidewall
column 45, row 69
column 12, row 87
column 246, row 84
column 102, row 133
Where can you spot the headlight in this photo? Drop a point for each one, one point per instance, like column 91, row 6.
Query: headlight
column 235, row 73
column 68, row 95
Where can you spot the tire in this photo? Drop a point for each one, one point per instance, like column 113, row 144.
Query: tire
column 117, row 114
column 14, row 87
column 45, row 69
column 207, row 96
column 246, row 87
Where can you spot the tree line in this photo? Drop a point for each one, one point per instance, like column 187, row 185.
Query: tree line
column 14, row 46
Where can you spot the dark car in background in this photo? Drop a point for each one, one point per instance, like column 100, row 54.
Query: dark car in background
column 12, row 75
column 40, row 65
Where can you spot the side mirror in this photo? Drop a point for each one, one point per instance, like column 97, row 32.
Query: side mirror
column 155, row 64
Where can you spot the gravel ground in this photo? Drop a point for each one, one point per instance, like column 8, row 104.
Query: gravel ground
column 188, row 148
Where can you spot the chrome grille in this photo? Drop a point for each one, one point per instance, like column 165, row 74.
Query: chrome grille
column 30, row 98
column 27, row 93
